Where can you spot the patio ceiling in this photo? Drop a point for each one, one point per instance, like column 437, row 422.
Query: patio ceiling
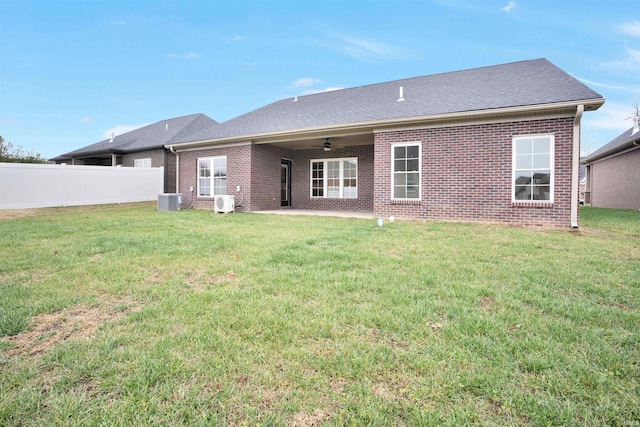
column 317, row 142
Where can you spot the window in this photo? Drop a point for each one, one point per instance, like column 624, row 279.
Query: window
column 406, row 164
column 334, row 178
column 142, row 163
column 212, row 176
column 533, row 168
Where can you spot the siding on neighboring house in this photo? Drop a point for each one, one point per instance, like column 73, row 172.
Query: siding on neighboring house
column 156, row 156
column 159, row 158
column 614, row 181
column 467, row 174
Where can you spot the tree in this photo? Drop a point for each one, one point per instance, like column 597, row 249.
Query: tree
column 11, row 154
column 635, row 115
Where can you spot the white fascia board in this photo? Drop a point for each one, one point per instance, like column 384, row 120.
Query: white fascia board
column 180, row 148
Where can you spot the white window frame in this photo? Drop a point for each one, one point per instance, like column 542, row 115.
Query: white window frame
column 212, row 177
column 551, row 167
column 393, row 171
column 325, row 177
column 142, row 163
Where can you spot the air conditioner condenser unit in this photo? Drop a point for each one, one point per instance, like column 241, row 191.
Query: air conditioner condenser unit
column 169, row 201
column 224, row 203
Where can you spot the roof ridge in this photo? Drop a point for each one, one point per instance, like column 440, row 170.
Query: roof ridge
column 413, row 78
column 183, row 128
column 140, row 135
column 186, row 129
column 179, row 117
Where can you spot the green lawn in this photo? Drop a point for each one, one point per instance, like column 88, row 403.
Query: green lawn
column 128, row 316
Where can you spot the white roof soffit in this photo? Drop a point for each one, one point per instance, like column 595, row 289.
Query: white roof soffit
column 566, row 108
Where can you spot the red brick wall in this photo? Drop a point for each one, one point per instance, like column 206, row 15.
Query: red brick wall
column 238, row 173
column 169, row 172
column 265, row 178
column 257, row 169
column 301, row 181
column 467, row 170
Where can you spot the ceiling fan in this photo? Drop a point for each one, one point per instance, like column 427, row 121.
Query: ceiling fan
column 327, row 146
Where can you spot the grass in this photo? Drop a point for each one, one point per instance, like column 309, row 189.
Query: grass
column 125, row 315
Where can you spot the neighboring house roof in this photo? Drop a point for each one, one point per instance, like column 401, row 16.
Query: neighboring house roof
column 153, row 136
column 622, row 142
column 508, row 86
column 583, row 169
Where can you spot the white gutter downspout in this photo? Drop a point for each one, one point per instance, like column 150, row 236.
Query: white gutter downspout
column 575, row 173
column 173, row 150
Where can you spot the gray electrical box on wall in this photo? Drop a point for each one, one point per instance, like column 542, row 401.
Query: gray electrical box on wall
column 169, row 201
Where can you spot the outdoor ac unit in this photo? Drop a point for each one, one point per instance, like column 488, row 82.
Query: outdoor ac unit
column 225, row 203
column 169, row 201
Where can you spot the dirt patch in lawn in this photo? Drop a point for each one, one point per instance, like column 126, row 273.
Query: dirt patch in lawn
column 306, row 419
column 7, row 214
column 486, row 304
column 69, row 325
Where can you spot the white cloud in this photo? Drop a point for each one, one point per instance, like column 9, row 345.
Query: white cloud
column 314, row 91
column 509, row 7
column 364, row 49
column 602, row 126
column 611, row 116
column 604, row 85
column 630, row 62
column 86, row 119
column 8, row 121
column 235, row 39
column 121, row 129
column 631, row 28
column 190, row 55
column 306, row 82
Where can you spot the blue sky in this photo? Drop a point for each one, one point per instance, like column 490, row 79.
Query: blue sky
column 73, row 71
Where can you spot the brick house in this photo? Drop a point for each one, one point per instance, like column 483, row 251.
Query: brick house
column 613, row 172
column 494, row 144
column 142, row 147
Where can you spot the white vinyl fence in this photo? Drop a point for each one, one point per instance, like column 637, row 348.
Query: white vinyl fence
column 24, row 185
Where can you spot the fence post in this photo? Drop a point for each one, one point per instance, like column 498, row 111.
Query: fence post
column 66, row 187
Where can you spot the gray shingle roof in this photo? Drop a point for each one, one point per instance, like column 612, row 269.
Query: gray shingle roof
column 153, row 136
column 517, row 84
column 622, row 141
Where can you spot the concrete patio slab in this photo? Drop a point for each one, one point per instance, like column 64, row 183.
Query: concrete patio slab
column 340, row 214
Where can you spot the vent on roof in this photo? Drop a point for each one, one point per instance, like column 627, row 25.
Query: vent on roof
column 295, row 99
column 636, row 124
column 401, row 94
column 166, row 126
column 111, row 139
